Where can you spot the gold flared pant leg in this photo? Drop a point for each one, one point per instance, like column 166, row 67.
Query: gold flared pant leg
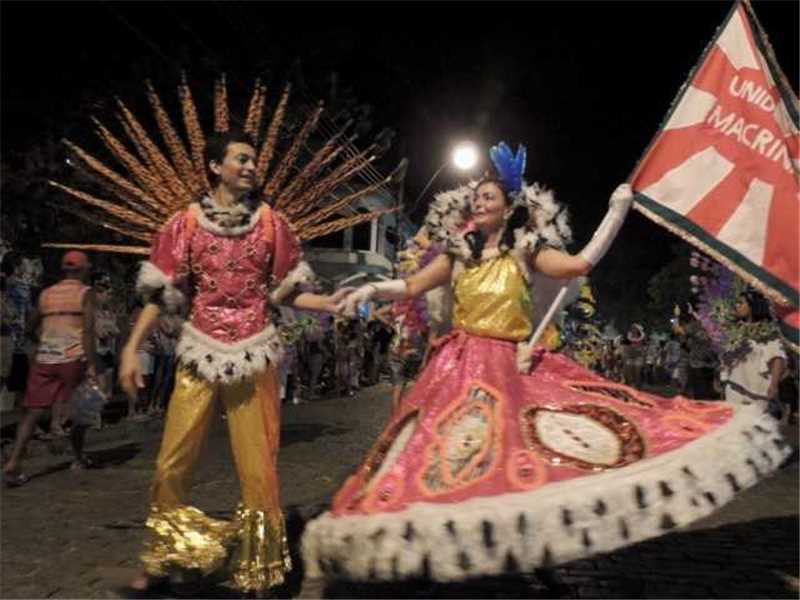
column 253, row 411
column 182, row 536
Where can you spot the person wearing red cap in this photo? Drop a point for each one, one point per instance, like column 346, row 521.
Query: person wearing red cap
column 64, row 323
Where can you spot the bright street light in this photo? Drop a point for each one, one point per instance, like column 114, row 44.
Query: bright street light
column 464, row 156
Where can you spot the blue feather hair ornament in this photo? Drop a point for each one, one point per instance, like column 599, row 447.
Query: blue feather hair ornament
column 509, row 167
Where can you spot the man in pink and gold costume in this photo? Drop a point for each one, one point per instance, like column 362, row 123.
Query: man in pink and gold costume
column 227, row 259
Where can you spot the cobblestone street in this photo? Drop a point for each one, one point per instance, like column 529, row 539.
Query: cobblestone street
column 76, row 534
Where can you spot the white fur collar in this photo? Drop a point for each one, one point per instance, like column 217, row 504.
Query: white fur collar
column 227, row 221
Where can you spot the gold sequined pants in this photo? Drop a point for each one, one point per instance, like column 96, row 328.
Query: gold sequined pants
column 253, row 546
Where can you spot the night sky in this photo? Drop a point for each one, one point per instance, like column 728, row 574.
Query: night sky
column 583, row 85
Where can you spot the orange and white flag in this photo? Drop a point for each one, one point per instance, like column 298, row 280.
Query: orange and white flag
column 723, row 172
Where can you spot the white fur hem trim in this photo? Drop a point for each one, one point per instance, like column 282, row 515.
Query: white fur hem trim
column 152, row 280
column 299, row 276
column 554, row 524
column 216, row 361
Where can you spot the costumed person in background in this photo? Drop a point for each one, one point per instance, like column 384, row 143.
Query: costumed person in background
column 504, row 457
column 758, row 377
column 743, row 331
column 580, row 332
column 221, row 253
column 65, row 354
column 415, row 328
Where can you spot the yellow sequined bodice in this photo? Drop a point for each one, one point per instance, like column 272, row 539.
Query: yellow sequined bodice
column 493, row 300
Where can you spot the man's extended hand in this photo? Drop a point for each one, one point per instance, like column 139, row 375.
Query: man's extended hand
column 360, row 296
column 130, row 373
column 336, row 301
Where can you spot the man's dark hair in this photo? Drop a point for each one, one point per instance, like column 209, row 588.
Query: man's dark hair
column 218, row 142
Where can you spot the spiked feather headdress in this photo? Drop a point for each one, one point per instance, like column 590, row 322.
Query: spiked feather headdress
column 156, row 183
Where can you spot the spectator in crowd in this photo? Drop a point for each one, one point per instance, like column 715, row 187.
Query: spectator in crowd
column 138, row 405
column 671, row 357
column 6, row 339
column 354, row 351
column 633, row 356
column 651, row 360
column 17, row 306
column 788, row 392
column 65, row 354
column 328, row 382
column 702, row 358
column 106, row 330
column 350, row 355
column 380, row 340
column 314, row 357
column 684, row 327
column 165, row 339
column 607, row 360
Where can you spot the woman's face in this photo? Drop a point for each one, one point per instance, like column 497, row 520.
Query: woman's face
column 742, row 308
column 489, row 209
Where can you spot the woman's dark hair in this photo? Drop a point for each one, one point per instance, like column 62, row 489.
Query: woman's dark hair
column 759, row 306
column 518, row 218
column 217, row 145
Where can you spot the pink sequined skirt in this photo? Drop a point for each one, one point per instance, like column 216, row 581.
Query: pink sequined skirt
column 486, row 470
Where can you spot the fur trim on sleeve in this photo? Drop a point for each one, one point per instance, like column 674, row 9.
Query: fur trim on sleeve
column 296, row 279
column 153, row 285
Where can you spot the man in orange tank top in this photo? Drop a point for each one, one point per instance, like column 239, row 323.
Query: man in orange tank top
column 64, row 325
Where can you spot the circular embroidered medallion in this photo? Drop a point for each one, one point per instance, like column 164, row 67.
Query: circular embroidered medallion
column 585, row 436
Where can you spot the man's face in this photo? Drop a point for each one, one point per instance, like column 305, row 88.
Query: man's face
column 238, row 169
